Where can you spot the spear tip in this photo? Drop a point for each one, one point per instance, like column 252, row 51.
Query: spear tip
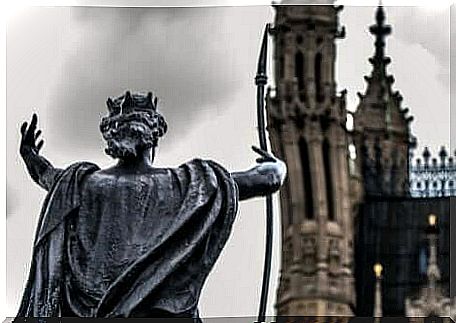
column 262, row 60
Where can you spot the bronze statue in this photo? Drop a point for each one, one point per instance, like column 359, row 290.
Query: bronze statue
column 132, row 240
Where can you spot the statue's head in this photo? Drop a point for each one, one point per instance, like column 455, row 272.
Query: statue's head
column 133, row 125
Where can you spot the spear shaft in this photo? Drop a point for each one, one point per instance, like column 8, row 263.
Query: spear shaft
column 261, row 80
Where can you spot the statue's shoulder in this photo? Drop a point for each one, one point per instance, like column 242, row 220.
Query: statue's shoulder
column 207, row 168
column 202, row 162
column 83, row 166
column 78, row 171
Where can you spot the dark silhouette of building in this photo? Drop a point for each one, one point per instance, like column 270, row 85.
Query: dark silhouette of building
column 353, row 197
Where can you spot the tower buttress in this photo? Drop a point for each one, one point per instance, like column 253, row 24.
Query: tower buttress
column 306, row 123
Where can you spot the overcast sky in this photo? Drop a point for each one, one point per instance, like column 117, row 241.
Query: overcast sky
column 63, row 63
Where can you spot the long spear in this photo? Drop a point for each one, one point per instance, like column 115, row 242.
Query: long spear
column 261, row 80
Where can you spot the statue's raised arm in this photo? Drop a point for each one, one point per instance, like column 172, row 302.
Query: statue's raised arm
column 39, row 168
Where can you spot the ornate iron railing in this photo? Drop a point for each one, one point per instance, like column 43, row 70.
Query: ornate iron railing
column 432, row 176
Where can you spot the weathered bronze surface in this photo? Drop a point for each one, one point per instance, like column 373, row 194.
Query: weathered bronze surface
column 132, row 240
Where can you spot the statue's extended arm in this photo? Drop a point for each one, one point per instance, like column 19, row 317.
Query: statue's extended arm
column 263, row 179
column 39, row 168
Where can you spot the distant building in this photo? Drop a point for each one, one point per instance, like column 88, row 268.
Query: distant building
column 353, row 197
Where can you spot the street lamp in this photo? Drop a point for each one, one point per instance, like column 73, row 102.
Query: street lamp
column 378, row 312
column 433, row 271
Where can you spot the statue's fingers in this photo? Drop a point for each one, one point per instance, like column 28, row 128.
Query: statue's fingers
column 34, row 121
column 30, row 135
column 32, row 127
column 260, row 151
column 37, row 134
column 24, row 128
column 39, row 146
column 267, row 156
column 265, row 159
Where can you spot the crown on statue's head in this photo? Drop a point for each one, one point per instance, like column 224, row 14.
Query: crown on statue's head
column 136, row 112
column 128, row 103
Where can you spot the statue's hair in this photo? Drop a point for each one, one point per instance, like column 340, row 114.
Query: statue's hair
column 132, row 116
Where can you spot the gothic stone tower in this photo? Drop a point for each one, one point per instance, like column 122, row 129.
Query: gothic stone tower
column 306, row 122
column 381, row 127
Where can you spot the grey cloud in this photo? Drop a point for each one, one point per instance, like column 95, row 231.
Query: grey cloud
column 431, row 31
column 176, row 53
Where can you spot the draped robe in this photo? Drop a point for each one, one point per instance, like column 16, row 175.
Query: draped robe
column 129, row 245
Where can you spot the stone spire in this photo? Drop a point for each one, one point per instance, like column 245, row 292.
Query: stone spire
column 381, row 126
column 379, row 83
column 379, row 61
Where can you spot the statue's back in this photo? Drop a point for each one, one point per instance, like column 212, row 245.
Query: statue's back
column 121, row 217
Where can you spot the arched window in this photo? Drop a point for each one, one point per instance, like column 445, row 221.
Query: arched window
column 299, row 69
column 328, row 179
column 318, row 71
column 306, row 179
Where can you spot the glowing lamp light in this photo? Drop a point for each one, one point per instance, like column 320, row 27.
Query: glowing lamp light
column 432, row 219
column 378, row 268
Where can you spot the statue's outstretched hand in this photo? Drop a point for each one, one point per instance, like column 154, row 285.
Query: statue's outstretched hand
column 39, row 168
column 30, row 137
column 268, row 163
column 264, row 178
